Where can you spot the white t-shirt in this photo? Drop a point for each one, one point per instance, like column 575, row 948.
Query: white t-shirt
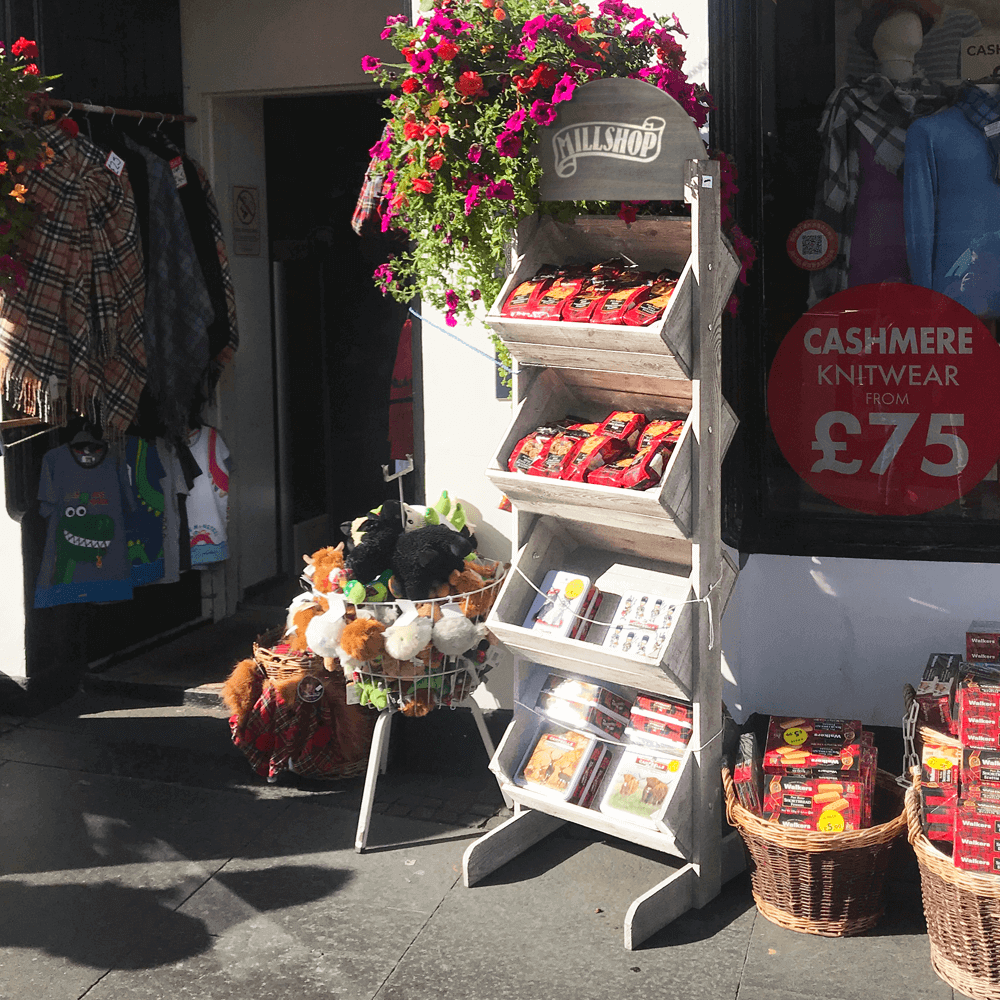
column 208, row 501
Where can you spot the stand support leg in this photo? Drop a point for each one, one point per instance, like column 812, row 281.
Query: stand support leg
column 380, row 742
column 507, row 841
column 477, row 714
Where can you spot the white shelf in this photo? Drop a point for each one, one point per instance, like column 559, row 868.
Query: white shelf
column 662, row 349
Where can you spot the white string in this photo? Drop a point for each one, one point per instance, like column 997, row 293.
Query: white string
column 618, row 743
column 47, row 430
column 561, row 601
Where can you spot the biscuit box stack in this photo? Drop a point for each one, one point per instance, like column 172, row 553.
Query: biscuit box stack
column 819, row 774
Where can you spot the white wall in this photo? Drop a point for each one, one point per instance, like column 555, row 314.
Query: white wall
column 839, row 637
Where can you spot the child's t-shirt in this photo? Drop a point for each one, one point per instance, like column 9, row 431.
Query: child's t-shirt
column 83, row 497
column 144, row 523
column 208, row 500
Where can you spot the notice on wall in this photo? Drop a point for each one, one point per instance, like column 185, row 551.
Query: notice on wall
column 882, row 398
column 246, row 221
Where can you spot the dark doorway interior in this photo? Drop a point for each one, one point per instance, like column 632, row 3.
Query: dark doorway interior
column 342, row 334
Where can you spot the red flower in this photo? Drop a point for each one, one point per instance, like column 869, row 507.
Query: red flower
column 423, row 185
column 27, row 49
column 30, row 70
column 443, row 128
column 411, row 130
column 500, row 14
column 3, row 168
column 523, row 84
column 627, row 212
column 509, row 143
column 469, row 83
column 410, row 84
column 430, row 129
column 546, row 75
column 584, row 24
column 436, row 161
column 446, row 51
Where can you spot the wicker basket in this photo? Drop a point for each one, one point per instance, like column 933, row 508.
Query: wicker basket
column 962, row 910
column 831, row 884
column 285, row 666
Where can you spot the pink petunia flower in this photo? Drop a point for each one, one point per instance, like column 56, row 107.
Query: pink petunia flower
column 564, row 89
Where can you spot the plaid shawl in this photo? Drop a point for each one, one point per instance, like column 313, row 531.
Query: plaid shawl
column 879, row 111
column 983, row 111
column 71, row 339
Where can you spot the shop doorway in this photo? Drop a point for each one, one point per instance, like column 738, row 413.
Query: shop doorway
column 336, row 336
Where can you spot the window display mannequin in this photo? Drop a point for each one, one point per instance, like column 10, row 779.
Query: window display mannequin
column 860, row 191
column 940, row 56
column 952, row 200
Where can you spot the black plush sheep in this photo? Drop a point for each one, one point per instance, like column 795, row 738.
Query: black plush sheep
column 424, row 559
column 373, row 554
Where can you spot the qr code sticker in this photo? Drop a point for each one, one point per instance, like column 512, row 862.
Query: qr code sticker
column 812, row 244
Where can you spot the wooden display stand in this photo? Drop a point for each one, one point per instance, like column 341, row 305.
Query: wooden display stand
column 665, row 540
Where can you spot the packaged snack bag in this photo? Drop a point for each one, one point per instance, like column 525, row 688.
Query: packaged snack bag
column 555, row 463
column 651, row 307
column 624, row 425
column 530, row 448
column 580, row 307
column 595, row 451
column 616, row 303
column 566, row 286
column 521, row 302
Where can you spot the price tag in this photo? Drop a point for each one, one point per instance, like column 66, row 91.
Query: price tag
column 115, row 163
column 880, row 398
column 352, row 695
column 177, row 169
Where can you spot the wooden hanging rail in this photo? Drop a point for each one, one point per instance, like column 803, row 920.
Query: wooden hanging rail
column 100, row 109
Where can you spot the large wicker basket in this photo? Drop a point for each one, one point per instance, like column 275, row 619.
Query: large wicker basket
column 831, row 884
column 962, row 910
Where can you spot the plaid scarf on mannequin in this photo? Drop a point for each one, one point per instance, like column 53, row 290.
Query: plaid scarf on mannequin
column 983, row 113
column 880, row 112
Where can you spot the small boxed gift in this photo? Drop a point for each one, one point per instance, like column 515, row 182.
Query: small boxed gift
column 639, row 785
column 937, row 811
column 640, row 625
column 977, row 701
column 663, row 722
column 815, row 803
column 980, row 769
column 558, row 612
column 936, row 693
column 748, row 775
column 982, row 642
column 941, row 762
column 977, row 836
column 814, row 747
column 560, row 763
column 584, row 706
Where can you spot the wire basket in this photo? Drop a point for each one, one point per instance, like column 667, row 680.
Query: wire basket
column 962, row 910
column 831, row 884
column 443, row 681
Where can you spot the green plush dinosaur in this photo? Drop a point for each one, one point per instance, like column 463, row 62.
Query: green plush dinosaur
column 369, row 693
column 81, row 537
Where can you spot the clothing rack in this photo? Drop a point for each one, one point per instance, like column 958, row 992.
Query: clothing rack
column 100, row 109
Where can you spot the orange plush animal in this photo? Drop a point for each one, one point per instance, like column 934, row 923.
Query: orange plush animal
column 325, row 563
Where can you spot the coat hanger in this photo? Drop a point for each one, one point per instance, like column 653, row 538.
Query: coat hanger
column 87, row 435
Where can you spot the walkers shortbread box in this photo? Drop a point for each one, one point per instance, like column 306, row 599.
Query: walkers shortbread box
column 800, row 746
column 977, row 837
column 815, row 803
column 977, row 701
column 982, row 642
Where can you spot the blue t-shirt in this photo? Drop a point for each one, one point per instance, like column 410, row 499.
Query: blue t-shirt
column 86, row 555
column 144, row 523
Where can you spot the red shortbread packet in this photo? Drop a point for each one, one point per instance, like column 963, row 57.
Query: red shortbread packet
column 612, row 308
column 624, row 425
column 580, row 307
column 530, row 448
column 549, row 305
column 650, row 308
column 660, row 432
column 638, row 471
column 560, row 452
column 595, row 451
column 521, row 302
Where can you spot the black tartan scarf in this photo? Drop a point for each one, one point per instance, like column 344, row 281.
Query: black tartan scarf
column 983, row 112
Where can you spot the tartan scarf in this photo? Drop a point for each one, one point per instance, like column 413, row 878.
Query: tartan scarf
column 880, row 111
column 983, row 113
column 71, row 339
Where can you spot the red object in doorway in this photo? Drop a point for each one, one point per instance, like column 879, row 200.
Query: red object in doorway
column 401, row 397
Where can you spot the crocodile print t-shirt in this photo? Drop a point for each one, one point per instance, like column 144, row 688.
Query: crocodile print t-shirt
column 86, row 558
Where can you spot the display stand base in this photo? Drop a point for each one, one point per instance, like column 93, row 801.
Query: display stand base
column 651, row 912
column 378, row 759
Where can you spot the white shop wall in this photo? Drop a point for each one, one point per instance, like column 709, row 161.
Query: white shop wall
column 234, row 54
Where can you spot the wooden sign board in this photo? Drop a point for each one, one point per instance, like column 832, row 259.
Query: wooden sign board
column 617, row 139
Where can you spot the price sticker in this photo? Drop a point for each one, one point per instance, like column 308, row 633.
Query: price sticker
column 177, row 171
column 795, row 736
column 879, row 398
column 115, row 163
column 830, row 821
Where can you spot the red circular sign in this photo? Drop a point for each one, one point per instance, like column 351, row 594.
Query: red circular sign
column 883, row 399
column 812, row 245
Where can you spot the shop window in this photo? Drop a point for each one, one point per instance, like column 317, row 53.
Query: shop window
column 870, row 180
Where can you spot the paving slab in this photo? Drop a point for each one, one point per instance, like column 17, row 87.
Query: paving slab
column 322, row 922
column 891, row 962
column 550, row 924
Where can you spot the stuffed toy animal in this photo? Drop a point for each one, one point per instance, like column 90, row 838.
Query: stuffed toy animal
column 422, row 560
column 370, row 693
column 301, row 612
column 420, row 703
column 363, row 639
column 242, row 689
column 405, row 642
column 456, row 634
column 323, row 633
column 325, row 563
column 468, row 581
column 373, row 554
